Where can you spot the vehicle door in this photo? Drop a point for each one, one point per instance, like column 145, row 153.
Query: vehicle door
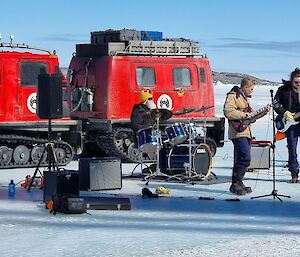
column 27, row 82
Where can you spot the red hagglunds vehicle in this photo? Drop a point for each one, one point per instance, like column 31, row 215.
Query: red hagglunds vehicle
column 105, row 79
column 22, row 133
column 107, row 75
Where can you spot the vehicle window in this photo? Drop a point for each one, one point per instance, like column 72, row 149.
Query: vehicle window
column 182, row 77
column 202, row 75
column 30, row 72
column 145, row 76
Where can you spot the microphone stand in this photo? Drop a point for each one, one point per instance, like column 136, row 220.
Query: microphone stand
column 274, row 191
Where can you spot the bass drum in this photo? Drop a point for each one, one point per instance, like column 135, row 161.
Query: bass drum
column 178, row 160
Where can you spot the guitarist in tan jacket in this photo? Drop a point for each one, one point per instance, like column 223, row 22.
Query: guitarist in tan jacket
column 240, row 115
column 287, row 105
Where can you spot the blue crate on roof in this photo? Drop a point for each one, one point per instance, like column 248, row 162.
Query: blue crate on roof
column 151, row 35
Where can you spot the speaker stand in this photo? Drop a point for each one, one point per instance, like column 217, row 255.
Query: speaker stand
column 52, row 160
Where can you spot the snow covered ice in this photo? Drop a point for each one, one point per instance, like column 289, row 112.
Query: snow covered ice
column 178, row 224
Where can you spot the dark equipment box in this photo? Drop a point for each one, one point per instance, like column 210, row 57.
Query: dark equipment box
column 88, row 50
column 97, row 174
column 107, row 203
column 60, row 182
column 123, row 35
column 260, row 155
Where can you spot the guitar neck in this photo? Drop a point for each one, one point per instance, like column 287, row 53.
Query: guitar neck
column 258, row 112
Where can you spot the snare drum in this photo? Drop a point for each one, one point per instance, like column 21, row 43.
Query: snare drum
column 147, row 142
column 178, row 160
column 176, row 134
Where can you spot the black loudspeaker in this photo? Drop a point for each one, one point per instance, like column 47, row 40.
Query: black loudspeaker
column 65, row 182
column 49, row 96
column 100, row 174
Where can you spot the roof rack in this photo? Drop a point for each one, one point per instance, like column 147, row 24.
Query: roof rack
column 137, row 47
column 159, row 48
column 23, row 46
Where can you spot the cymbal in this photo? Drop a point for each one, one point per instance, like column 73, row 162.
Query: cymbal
column 185, row 110
column 162, row 114
column 204, row 108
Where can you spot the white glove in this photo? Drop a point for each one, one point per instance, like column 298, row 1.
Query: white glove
column 288, row 116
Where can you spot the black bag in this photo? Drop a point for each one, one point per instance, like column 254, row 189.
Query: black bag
column 68, row 204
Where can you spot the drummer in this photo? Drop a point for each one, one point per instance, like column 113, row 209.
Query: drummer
column 141, row 113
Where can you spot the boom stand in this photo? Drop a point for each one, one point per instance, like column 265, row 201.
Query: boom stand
column 52, row 161
column 274, row 191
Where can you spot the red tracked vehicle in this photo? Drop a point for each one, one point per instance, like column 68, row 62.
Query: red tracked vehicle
column 107, row 75
column 22, row 133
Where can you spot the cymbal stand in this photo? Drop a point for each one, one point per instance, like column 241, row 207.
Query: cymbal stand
column 190, row 174
column 204, row 138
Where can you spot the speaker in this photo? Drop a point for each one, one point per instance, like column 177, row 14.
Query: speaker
column 260, row 155
column 100, row 174
column 49, row 96
column 65, row 182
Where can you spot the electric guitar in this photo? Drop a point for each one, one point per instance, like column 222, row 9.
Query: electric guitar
column 241, row 125
column 282, row 124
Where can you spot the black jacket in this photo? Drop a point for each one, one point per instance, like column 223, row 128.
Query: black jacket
column 286, row 99
column 141, row 117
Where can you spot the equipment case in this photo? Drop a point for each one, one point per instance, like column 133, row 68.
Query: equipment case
column 100, row 37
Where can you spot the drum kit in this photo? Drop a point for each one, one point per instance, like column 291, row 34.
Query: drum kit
column 184, row 161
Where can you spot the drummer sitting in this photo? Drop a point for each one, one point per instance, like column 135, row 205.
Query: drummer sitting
column 141, row 113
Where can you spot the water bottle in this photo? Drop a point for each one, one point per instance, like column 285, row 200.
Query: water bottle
column 11, row 189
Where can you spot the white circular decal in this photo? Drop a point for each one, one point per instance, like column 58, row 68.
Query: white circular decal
column 164, row 102
column 31, row 102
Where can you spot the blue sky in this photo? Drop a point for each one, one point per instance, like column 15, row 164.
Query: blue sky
column 257, row 37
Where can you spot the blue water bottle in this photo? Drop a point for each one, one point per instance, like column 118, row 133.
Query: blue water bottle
column 11, row 189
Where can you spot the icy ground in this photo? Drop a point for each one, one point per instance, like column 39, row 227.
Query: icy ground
column 178, row 224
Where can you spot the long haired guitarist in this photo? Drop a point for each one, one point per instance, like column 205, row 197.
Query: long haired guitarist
column 240, row 115
column 287, row 105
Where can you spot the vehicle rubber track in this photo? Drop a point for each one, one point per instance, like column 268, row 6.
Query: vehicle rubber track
column 120, row 143
column 21, row 151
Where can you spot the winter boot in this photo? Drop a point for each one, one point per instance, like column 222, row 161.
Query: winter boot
column 294, row 178
column 243, row 172
column 236, row 187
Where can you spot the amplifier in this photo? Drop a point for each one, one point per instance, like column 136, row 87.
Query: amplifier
column 97, row 174
column 60, row 182
column 260, row 155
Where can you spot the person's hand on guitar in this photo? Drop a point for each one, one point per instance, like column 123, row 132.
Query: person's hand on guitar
column 288, row 116
column 248, row 115
column 268, row 107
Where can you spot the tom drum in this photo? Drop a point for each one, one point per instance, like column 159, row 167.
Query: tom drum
column 146, row 140
column 176, row 134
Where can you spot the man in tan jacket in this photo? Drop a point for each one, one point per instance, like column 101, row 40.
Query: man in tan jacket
column 239, row 113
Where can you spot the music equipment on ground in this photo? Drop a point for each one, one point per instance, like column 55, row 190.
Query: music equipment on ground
column 260, row 155
column 62, row 182
column 49, row 96
column 97, row 174
column 241, row 125
column 282, row 124
column 107, row 203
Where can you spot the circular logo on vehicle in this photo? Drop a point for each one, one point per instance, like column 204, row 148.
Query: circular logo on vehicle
column 164, row 102
column 31, row 102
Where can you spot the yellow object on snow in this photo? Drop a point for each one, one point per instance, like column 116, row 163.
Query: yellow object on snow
column 162, row 190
